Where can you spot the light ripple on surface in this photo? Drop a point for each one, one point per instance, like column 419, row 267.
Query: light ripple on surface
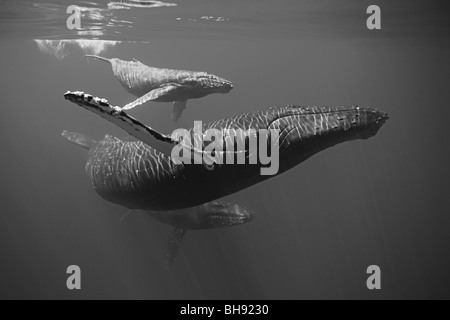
column 61, row 48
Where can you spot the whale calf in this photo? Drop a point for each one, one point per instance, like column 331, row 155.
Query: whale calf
column 137, row 176
column 164, row 85
column 211, row 215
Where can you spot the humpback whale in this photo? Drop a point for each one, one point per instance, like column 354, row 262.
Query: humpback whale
column 210, row 215
column 138, row 176
column 164, row 85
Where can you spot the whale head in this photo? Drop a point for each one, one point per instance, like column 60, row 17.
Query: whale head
column 209, row 83
column 305, row 131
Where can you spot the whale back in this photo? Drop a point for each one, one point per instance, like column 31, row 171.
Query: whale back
column 79, row 139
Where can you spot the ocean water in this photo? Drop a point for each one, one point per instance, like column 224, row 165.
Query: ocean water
column 382, row 201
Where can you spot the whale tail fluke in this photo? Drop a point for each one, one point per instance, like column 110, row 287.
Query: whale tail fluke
column 79, row 139
column 98, row 58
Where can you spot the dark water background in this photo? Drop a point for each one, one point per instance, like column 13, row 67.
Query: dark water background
column 383, row 201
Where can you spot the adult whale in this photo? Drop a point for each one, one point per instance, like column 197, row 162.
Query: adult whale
column 145, row 178
column 211, row 215
column 164, row 85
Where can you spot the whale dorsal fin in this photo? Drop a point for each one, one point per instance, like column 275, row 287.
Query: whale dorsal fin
column 79, row 139
column 174, row 244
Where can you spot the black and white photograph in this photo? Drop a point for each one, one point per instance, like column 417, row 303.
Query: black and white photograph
column 224, row 155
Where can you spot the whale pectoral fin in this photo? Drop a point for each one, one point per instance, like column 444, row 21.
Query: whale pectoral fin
column 177, row 109
column 175, row 244
column 152, row 95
